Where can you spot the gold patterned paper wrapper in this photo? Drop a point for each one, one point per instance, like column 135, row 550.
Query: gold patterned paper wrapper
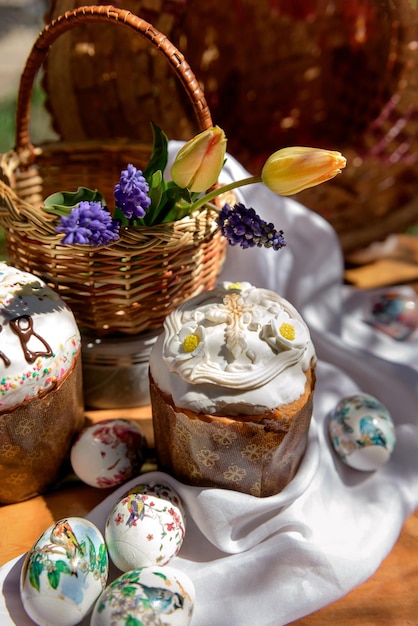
column 35, row 439
column 255, row 458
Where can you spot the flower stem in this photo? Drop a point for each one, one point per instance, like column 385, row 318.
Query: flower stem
column 223, row 189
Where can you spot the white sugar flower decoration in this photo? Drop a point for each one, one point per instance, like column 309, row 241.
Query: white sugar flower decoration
column 285, row 332
column 237, row 286
column 189, row 342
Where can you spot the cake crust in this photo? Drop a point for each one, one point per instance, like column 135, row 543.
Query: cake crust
column 38, row 436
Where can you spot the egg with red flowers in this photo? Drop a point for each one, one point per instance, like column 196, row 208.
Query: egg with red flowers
column 145, row 527
column 108, row 453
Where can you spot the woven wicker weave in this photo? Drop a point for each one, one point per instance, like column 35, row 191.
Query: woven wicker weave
column 340, row 74
column 129, row 286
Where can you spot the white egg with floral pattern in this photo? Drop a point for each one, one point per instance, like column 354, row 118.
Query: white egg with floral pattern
column 362, row 432
column 108, row 453
column 145, row 527
column 64, row 573
column 146, row 595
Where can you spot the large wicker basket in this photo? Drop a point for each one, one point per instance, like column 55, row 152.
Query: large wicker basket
column 340, row 74
column 130, row 286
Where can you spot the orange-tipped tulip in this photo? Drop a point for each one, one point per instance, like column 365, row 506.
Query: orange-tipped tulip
column 291, row 170
column 199, row 162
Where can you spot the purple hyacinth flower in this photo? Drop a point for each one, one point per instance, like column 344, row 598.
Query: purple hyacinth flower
column 243, row 227
column 131, row 193
column 89, row 223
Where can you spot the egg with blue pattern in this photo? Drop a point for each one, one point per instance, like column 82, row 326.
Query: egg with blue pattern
column 362, row 432
column 146, row 595
column 64, row 573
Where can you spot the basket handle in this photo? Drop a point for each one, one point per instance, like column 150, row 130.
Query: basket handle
column 103, row 13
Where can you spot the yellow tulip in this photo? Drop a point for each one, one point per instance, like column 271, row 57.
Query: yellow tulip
column 199, row 162
column 291, row 170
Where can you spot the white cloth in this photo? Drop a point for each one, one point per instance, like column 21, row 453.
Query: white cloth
column 273, row 560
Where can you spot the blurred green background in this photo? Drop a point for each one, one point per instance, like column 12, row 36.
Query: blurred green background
column 20, row 23
column 39, row 119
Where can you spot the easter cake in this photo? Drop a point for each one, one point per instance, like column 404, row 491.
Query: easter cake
column 41, row 398
column 231, row 383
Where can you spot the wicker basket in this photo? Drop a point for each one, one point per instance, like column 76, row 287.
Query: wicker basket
column 130, row 286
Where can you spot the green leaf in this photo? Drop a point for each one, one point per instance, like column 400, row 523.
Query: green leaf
column 35, row 571
column 119, row 215
column 103, row 559
column 159, row 156
column 83, row 549
column 61, row 202
column 101, row 606
column 92, row 554
column 156, row 189
column 132, row 576
column 62, row 567
column 176, row 212
column 129, row 591
column 54, row 578
column 177, row 204
column 132, row 621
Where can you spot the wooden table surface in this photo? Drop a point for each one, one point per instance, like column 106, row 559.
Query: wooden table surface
column 388, row 598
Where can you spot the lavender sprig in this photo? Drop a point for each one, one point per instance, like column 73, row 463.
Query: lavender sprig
column 88, row 223
column 242, row 226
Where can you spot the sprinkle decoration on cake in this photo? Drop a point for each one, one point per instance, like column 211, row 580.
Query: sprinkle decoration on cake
column 38, row 337
column 232, row 379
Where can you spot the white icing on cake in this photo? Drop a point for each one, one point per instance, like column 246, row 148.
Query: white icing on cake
column 39, row 337
column 236, row 349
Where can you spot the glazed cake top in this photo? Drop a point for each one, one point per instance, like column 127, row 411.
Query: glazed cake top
column 236, row 349
column 39, row 337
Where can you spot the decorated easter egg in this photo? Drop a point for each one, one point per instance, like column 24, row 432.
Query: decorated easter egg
column 64, row 573
column 145, row 527
column 108, row 453
column 362, row 432
column 147, row 595
column 394, row 313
